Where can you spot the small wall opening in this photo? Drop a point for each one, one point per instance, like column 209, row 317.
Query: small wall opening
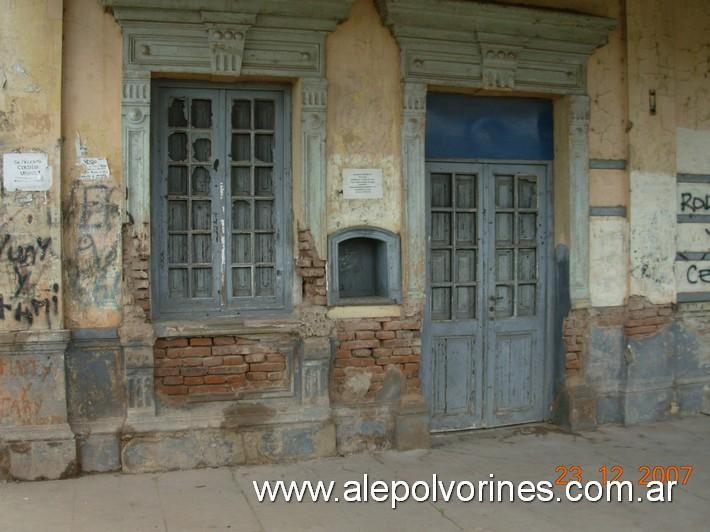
column 365, row 267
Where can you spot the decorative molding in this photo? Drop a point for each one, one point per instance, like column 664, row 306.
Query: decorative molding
column 693, row 178
column 44, row 342
column 227, row 47
column 607, row 164
column 578, row 148
column 484, row 45
column 413, row 124
column 619, row 211
column 314, row 98
column 135, row 133
column 693, row 218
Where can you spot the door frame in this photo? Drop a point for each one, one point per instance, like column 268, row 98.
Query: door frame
column 427, row 367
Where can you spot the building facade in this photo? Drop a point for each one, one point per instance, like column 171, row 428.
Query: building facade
column 236, row 232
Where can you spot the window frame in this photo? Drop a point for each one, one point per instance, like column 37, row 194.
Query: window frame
column 222, row 303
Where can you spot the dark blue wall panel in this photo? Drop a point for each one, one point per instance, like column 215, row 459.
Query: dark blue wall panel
column 460, row 126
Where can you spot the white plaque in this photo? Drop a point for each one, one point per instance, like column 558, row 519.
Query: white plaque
column 26, row 171
column 362, row 183
column 94, row 168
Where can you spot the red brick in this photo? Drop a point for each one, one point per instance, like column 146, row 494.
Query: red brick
column 365, row 335
column 212, row 361
column 227, row 370
column 191, row 381
column 174, row 390
column 192, row 361
column 275, row 358
column 267, row 366
column 167, row 372
column 361, row 352
column 223, row 340
column 238, row 349
column 257, row 357
column 382, row 352
column 213, row 388
column 182, row 352
column 399, row 342
column 398, row 351
column 236, row 380
column 200, row 341
column 384, row 335
column 159, row 353
column 345, row 335
column 361, row 362
column 275, row 376
column 256, row 376
column 170, row 381
column 215, row 379
column 360, row 344
column 234, row 360
column 193, row 372
column 171, row 342
column 359, row 325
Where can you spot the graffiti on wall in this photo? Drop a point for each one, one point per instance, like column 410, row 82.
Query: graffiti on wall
column 27, row 299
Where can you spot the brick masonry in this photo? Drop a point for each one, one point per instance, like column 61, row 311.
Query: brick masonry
column 311, row 269
column 371, row 347
column 136, row 267
column 224, row 366
column 639, row 319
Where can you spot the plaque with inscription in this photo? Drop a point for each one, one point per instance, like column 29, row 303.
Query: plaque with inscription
column 362, row 183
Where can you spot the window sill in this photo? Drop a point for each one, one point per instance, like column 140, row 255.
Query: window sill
column 222, row 326
column 389, row 310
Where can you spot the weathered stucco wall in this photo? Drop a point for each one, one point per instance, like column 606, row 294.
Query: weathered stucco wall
column 91, row 127
column 364, row 106
column 30, row 114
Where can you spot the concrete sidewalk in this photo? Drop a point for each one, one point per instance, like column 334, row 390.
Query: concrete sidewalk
column 223, row 499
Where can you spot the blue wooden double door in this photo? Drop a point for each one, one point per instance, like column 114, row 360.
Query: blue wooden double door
column 484, row 345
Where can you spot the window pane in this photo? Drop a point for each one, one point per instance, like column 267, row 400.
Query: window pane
column 241, row 148
column 264, row 147
column 201, row 214
column 241, row 181
column 465, row 265
column 202, row 114
column 202, row 249
column 177, row 180
column 441, row 190
column 527, row 192
column 441, row 228
column 202, row 150
column 241, row 248
column 177, row 282
column 176, row 113
column 241, row 114
column 241, row 282
column 466, row 191
column 177, row 215
column 177, row 249
column 264, row 114
column 241, row 215
column 466, row 302
column 200, row 181
column 264, row 215
column 264, row 248
column 202, row 282
column 466, row 228
column 177, row 147
column 504, row 191
column 441, row 303
column 265, row 282
column 263, row 178
column 440, row 266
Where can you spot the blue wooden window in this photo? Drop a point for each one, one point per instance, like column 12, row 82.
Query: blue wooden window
column 461, row 126
column 220, row 218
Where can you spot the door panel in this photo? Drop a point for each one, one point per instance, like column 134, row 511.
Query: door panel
column 486, row 315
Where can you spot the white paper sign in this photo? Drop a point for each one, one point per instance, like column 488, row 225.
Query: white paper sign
column 362, row 183
column 26, row 171
column 95, row 168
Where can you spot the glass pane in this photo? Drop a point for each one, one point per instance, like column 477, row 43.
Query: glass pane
column 465, row 302
column 241, row 114
column 177, row 147
column 176, row 113
column 264, row 248
column 466, row 265
column 504, row 301
column 441, row 190
column 527, row 265
column 177, row 249
column 177, row 180
column 177, row 282
column 504, row 228
column 241, row 248
column 241, row 215
column 441, row 303
column 504, row 265
column 202, row 248
column 526, row 300
column 241, row 282
column 440, row 228
column 202, row 114
column 202, row 150
column 504, row 191
column 202, row 282
column 201, row 213
column 264, row 215
column 241, row 181
column 466, row 228
column 264, row 114
column 264, row 282
column 263, row 178
column 466, row 191
column 527, row 228
column 527, row 192
column 264, row 148
column 177, row 215
column 200, row 181
column 440, row 266
column 241, row 147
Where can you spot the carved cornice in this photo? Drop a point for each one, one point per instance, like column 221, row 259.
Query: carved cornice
column 473, row 44
column 256, row 37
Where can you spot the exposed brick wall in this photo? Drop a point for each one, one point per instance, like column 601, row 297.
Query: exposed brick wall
column 639, row 318
column 644, row 318
column 372, row 346
column 136, row 268
column 311, row 269
column 215, row 366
